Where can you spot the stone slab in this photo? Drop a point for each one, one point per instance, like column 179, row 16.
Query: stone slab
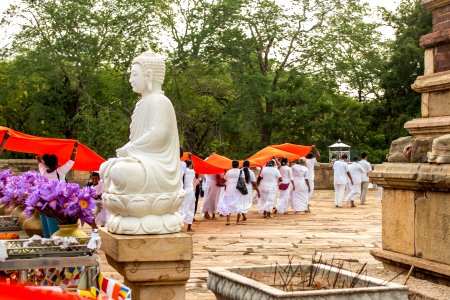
column 147, row 248
column 154, row 272
column 434, row 4
column 438, row 103
column 153, row 292
column 432, row 82
column 432, row 126
column 438, row 269
column 432, row 227
column 398, row 221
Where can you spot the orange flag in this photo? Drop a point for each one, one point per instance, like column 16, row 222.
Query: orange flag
column 261, row 157
column 300, row 150
column 86, row 159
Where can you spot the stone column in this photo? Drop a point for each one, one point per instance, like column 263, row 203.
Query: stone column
column 155, row 267
column 416, row 180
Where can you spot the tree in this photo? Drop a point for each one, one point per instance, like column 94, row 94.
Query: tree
column 70, row 48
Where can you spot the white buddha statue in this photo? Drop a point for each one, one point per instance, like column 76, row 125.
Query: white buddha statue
column 142, row 185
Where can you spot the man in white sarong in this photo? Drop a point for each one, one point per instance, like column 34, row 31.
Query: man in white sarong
column 310, row 162
column 365, row 178
column 356, row 172
column 341, row 173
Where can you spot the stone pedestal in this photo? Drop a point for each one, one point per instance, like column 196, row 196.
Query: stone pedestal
column 155, row 267
column 415, row 218
column 416, row 181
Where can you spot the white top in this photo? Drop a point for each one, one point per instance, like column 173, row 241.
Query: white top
column 310, row 162
column 340, row 168
column 183, row 168
column 210, row 180
column 299, row 172
column 231, row 177
column 188, row 183
column 286, row 174
column 357, row 172
column 252, row 176
column 367, row 168
column 98, row 188
column 269, row 179
column 62, row 171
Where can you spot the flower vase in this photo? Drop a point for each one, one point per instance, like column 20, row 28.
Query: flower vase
column 22, row 218
column 18, row 211
column 71, row 230
column 2, row 209
column 33, row 225
column 9, row 209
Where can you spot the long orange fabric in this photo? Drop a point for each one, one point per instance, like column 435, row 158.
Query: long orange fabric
column 300, row 150
column 201, row 166
column 219, row 161
column 261, row 157
column 86, row 159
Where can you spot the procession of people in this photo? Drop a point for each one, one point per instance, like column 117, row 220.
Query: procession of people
column 280, row 187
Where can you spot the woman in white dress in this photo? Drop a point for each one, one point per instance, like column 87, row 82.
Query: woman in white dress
column 229, row 203
column 232, row 196
column 285, row 187
column 213, row 193
column 187, row 208
column 268, row 186
column 302, row 189
column 246, row 201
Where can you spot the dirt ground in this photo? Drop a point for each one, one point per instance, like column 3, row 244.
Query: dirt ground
column 340, row 233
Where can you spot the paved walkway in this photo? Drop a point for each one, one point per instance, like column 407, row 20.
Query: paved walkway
column 343, row 233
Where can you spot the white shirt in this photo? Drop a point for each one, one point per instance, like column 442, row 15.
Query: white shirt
column 300, row 172
column 62, row 171
column 357, row 171
column 188, row 183
column 98, row 188
column 269, row 179
column 183, row 168
column 231, row 177
column 286, row 174
column 340, row 168
column 310, row 162
column 367, row 168
column 252, row 176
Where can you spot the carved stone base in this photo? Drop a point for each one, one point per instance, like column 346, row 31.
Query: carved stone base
column 155, row 267
column 144, row 213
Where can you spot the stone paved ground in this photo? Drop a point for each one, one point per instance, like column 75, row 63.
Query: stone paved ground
column 343, row 233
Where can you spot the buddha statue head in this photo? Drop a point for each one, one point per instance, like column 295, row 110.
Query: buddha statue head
column 147, row 73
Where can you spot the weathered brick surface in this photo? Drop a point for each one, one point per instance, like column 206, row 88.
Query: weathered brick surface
column 442, row 58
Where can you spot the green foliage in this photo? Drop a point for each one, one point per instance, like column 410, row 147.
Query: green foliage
column 241, row 74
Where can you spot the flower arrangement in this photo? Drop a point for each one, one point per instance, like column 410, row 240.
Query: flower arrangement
column 66, row 202
column 4, row 175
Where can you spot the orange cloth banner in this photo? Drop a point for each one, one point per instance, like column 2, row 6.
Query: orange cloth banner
column 86, row 159
column 201, row 166
column 300, row 150
column 261, row 157
column 219, row 161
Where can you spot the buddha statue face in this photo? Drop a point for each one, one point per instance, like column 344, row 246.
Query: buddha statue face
column 138, row 80
column 147, row 72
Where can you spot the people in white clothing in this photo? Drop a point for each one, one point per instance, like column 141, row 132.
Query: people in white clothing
column 268, row 186
column 187, row 209
column 229, row 203
column 356, row 171
column 48, row 167
column 310, row 162
column 213, row 193
column 341, row 173
column 365, row 178
column 246, row 201
column 302, row 188
column 285, row 187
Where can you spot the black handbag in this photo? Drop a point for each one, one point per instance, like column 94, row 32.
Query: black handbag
column 241, row 186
